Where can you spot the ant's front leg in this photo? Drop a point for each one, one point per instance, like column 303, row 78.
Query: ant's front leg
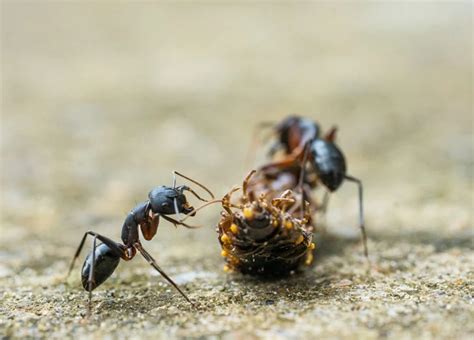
column 149, row 226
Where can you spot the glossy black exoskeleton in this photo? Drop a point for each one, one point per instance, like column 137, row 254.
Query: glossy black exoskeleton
column 106, row 261
column 162, row 201
column 328, row 162
column 314, row 154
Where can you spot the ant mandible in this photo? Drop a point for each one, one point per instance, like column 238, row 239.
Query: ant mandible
column 162, row 201
column 299, row 137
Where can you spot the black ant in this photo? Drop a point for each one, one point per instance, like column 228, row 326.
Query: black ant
column 162, row 201
column 303, row 147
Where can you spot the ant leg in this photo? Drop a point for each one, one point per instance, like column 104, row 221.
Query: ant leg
column 150, row 226
column 283, row 164
column 153, row 263
column 290, row 160
column 191, row 180
column 116, row 247
column 302, row 173
column 361, row 213
column 103, row 239
column 91, row 279
column 76, row 255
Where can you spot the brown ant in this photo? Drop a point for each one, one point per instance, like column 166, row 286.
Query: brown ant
column 321, row 158
column 162, row 201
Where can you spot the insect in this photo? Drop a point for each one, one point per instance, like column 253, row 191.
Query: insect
column 264, row 236
column 320, row 158
column 162, row 201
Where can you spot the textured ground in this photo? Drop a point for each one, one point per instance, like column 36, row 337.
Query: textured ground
column 100, row 102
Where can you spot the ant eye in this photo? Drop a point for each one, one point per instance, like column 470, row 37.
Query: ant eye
column 164, row 204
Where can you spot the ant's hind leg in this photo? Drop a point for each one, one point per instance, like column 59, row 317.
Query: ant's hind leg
column 113, row 245
column 117, row 251
column 76, row 255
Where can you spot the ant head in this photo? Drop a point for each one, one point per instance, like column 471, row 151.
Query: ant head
column 294, row 131
column 329, row 163
column 168, row 201
column 283, row 128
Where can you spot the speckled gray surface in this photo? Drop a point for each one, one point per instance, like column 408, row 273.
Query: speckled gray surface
column 100, row 102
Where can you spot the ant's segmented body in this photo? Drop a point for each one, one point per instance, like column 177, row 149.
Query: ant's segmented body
column 162, row 201
column 319, row 159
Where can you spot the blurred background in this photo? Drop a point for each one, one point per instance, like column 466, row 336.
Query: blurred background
column 101, row 101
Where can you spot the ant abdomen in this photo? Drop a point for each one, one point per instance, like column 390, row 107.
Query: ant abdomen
column 106, row 261
column 329, row 163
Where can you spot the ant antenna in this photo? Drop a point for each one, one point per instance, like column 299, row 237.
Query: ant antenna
column 193, row 181
column 201, row 207
column 195, row 194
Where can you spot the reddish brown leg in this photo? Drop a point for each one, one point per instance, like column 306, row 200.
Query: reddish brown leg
column 150, row 227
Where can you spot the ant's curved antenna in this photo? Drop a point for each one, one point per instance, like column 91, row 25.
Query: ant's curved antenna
column 201, row 207
column 193, row 181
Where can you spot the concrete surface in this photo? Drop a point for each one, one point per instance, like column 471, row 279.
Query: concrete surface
column 101, row 101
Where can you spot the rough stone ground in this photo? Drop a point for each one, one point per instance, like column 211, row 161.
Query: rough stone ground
column 100, row 102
